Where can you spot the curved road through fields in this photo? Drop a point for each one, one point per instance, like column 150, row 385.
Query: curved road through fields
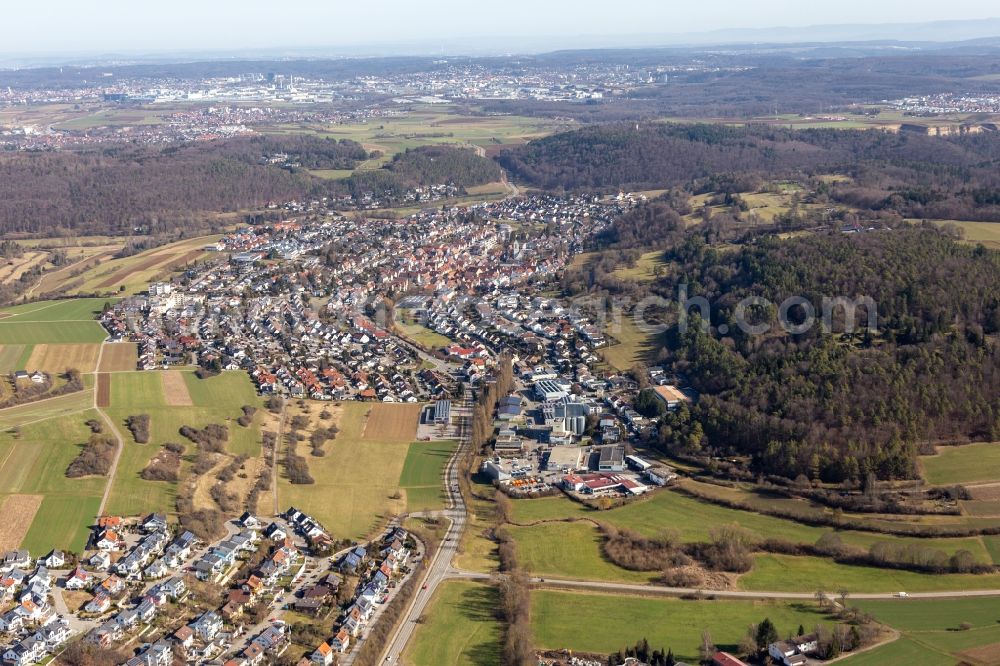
column 440, row 569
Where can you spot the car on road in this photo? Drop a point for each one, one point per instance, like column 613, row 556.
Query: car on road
column 902, row 595
column 424, row 587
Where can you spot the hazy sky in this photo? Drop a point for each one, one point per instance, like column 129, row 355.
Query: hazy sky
column 61, row 26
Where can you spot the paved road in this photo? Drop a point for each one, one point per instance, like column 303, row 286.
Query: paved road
column 440, row 565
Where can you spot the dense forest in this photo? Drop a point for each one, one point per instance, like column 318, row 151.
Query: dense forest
column 835, row 404
column 915, row 175
column 115, row 190
column 426, row 165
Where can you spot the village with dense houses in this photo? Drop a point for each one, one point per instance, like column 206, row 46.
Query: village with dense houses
column 310, row 309
column 154, row 587
column 301, row 306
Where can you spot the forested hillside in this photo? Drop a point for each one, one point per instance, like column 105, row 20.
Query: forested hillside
column 914, row 175
column 834, row 405
column 114, row 190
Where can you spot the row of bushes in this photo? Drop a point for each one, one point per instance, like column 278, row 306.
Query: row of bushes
column 229, row 471
column 320, row 437
column 515, row 594
column 228, row 502
column 296, row 467
column 731, row 548
column 836, row 520
column 246, row 418
column 206, row 524
column 165, row 465
column 907, row 556
column 212, row 438
column 138, row 425
column 95, row 459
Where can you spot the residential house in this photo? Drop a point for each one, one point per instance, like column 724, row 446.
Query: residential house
column 207, row 626
column 794, row 651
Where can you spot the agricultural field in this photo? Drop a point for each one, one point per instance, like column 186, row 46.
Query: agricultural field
column 55, row 278
column 956, row 629
column 57, row 358
column 570, row 550
column 765, row 205
column 175, row 390
column 973, row 232
column 789, row 573
column 358, row 480
column 19, row 512
column 71, row 309
column 570, row 620
column 14, row 268
column 10, row 356
column 119, row 357
column 136, row 272
column 693, row 520
column 32, row 412
column 39, row 258
column 962, row 464
column 544, row 545
column 461, row 630
column 421, row 478
column 113, row 118
column 69, row 321
column 33, row 463
column 898, row 653
column 391, row 422
column 214, row 400
column 54, row 332
column 425, row 126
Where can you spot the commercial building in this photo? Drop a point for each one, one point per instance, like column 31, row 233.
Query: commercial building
column 442, row 411
column 548, row 390
column 612, row 459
